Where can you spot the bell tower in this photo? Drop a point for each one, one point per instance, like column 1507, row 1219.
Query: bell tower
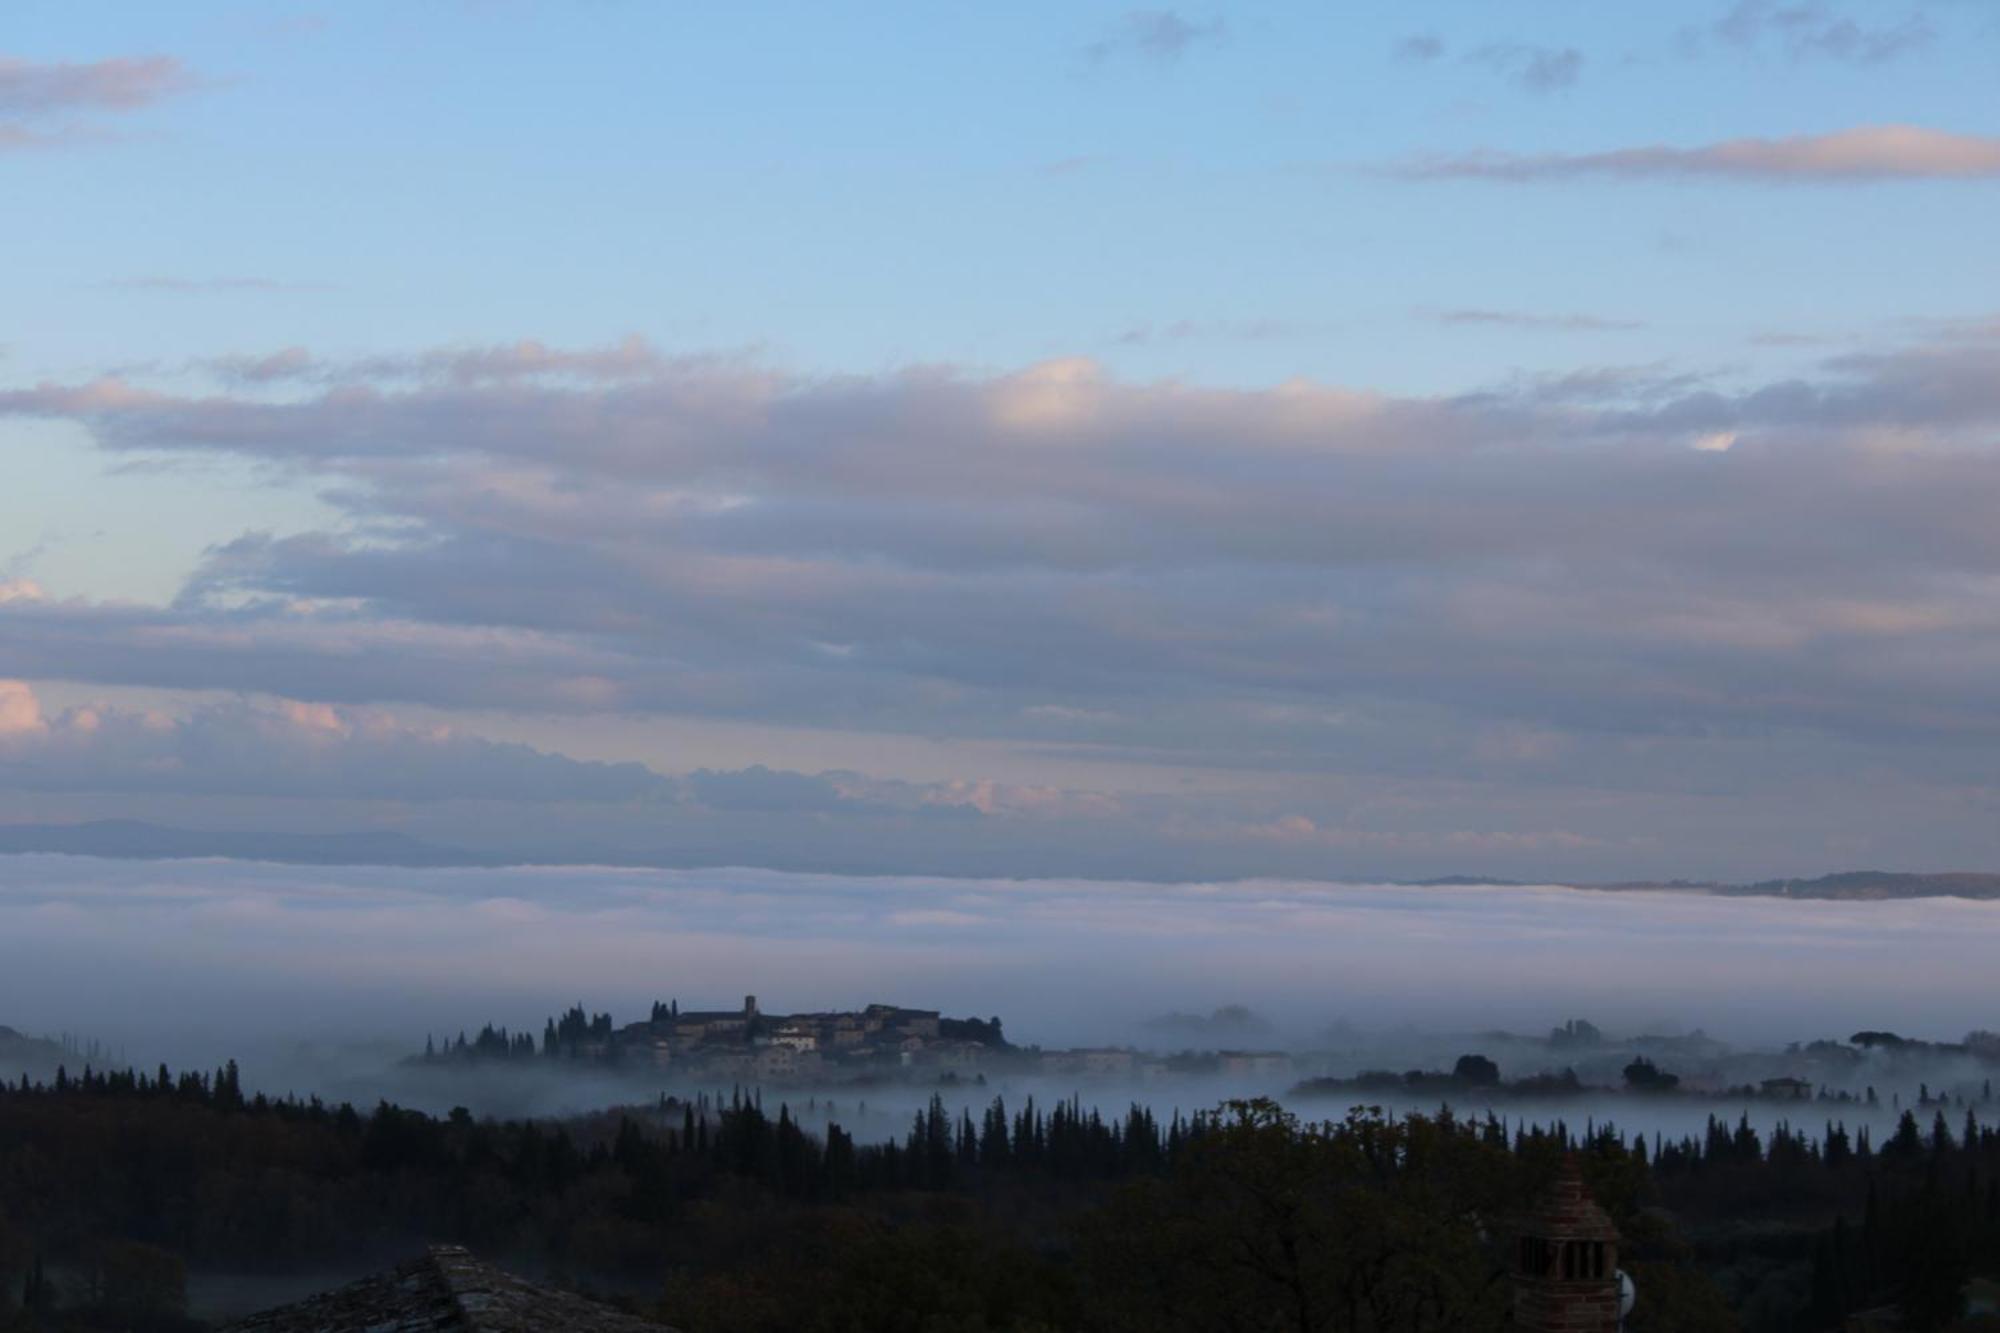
column 1566, row 1277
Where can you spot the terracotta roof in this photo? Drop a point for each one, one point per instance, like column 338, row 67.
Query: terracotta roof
column 445, row 1291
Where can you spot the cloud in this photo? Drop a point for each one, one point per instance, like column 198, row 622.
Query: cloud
column 206, row 286
column 123, row 84
column 1867, row 153
column 1787, row 338
column 1302, row 830
column 62, row 136
column 1538, row 69
column 290, row 750
column 1304, row 579
column 1816, row 29
column 1517, row 319
column 20, row 711
column 287, row 363
column 1218, row 330
column 1001, row 798
column 32, row 91
column 1419, row 48
column 762, row 789
column 1156, row 34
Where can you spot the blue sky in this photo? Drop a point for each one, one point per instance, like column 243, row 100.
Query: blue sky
column 1501, row 271
column 860, row 189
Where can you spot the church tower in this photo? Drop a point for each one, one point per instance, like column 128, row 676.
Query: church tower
column 1566, row 1277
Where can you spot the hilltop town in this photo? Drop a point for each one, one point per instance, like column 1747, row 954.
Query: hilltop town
column 887, row 1043
column 746, row 1043
column 880, row 1040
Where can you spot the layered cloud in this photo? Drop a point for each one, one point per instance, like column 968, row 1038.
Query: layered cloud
column 1865, row 153
column 1660, row 587
column 288, row 750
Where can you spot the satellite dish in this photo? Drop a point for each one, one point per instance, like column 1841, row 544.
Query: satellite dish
column 1628, row 1295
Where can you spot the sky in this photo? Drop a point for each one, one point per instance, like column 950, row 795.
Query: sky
column 1552, row 441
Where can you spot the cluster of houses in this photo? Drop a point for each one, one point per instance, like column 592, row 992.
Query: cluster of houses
column 748, row 1045
column 751, row 1046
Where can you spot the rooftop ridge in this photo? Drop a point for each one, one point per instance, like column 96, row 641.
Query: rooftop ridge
column 445, row 1289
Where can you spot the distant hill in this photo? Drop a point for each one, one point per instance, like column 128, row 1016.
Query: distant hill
column 1875, row 884
column 1853, row 885
column 131, row 840
column 20, row 1053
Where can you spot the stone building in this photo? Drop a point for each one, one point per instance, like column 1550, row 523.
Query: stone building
column 1794, row 1089
column 1566, row 1277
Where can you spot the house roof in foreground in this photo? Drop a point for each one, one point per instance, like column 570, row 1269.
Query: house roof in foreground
column 444, row 1291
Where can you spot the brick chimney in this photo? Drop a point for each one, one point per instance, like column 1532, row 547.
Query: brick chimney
column 1566, row 1262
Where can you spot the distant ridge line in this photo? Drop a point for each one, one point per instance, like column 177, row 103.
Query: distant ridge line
column 135, row 840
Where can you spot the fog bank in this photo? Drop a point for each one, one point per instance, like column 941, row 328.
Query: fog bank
column 193, row 961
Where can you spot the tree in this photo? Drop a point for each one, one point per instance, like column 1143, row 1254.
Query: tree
column 1871, row 1040
column 139, row 1281
column 1476, row 1071
column 1642, row 1075
column 1364, row 1225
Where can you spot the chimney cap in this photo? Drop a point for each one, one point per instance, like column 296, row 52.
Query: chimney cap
column 1565, row 1210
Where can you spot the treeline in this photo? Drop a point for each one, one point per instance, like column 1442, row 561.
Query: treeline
column 1843, row 1224
column 567, row 1035
column 1033, row 1217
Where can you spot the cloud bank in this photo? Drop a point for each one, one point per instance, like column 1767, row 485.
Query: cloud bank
column 1568, row 621
column 260, row 956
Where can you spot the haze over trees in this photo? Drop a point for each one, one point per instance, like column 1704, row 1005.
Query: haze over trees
column 729, row 1217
